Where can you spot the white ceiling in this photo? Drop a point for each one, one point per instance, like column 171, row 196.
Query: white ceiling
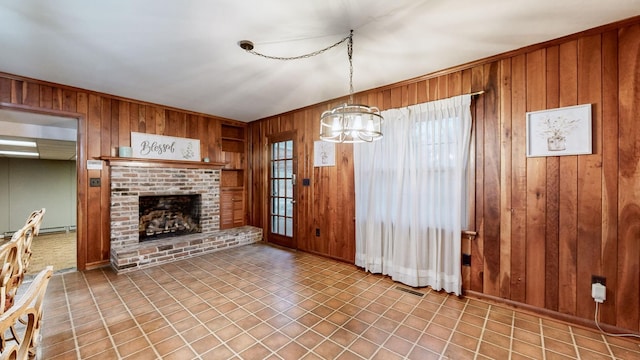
column 185, row 54
column 55, row 136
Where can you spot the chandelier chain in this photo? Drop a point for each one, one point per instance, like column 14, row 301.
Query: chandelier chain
column 311, row 54
column 350, row 54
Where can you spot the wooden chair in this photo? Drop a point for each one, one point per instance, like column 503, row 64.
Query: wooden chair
column 9, row 274
column 29, row 307
column 36, row 217
column 24, row 238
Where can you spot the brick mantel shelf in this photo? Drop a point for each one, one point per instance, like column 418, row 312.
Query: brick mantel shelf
column 156, row 163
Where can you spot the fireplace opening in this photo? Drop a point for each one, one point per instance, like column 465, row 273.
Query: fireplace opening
column 168, row 215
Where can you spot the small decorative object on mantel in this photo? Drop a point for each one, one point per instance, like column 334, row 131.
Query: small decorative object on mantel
column 125, row 151
column 150, row 146
column 562, row 131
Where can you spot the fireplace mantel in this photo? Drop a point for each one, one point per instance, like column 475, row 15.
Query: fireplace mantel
column 155, row 163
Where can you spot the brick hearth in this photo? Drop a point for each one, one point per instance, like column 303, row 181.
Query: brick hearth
column 129, row 182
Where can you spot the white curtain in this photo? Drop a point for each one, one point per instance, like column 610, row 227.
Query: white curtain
column 411, row 195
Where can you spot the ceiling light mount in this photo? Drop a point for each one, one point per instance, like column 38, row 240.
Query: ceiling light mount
column 347, row 123
column 245, row 45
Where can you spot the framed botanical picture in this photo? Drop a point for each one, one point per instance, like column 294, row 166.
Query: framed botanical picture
column 561, row 131
column 324, row 154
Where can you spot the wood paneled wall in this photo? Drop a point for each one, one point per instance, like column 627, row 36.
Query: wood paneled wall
column 545, row 225
column 105, row 123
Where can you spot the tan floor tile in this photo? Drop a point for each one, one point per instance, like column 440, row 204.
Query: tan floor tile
column 169, row 345
column 464, row 341
column 324, row 328
column 327, row 349
column 257, row 351
column 439, row 331
column 493, row 351
column 144, row 354
column 559, row 347
column 343, row 337
column 276, row 340
column 496, row 339
column 384, row 354
column 240, row 343
column 527, row 349
column 218, row 353
column 292, row 351
column 398, row 345
column 95, row 348
column 419, row 353
column 263, row 302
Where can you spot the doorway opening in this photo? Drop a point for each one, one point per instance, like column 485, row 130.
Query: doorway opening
column 38, row 170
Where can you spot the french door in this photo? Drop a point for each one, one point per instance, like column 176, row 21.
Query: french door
column 282, row 182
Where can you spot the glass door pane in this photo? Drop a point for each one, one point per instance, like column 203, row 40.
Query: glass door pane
column 281, row 192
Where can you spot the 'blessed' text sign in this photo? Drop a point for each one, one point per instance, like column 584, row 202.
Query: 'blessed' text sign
column 149, row 146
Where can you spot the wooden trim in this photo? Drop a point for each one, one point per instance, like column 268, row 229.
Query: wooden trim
column 570, row 319
column 39, row 110
column 138, row 162
column 114, row 97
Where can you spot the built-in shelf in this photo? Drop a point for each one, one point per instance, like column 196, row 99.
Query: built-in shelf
column 232, row 181
column 139, row 162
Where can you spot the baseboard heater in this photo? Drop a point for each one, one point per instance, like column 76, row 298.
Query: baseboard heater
column 49, row 230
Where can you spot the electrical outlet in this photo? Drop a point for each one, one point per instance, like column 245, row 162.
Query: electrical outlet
column 598, row 292
column 317, row 231
column 94, row 182
column 466, row 259
column 595, row 279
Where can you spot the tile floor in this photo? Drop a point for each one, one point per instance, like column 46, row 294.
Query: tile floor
column 263, row 302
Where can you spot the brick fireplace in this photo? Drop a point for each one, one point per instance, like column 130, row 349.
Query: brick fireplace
column 130, row 179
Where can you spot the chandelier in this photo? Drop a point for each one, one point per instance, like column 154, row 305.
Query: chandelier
column 346, row 123
column 351, row 123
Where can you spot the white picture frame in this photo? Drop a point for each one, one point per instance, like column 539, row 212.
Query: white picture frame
column 324, row 154
column 560, row 131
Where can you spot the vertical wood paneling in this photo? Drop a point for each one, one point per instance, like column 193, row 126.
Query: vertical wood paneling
column 94, row 136
column 568, row 203
column 107, row 118
column 69, row 101
column 477, row 246
column 552, row 187
column 46, row 97
column 628, row 315
column 124, row 125
column 30, row 94
column 505, row 178
column 536, row 188
column 518, row 178
column 590, row 174
column 56, row 98
column 491, row 177
column 5, row 90
column 610, row 173
column 16, row 91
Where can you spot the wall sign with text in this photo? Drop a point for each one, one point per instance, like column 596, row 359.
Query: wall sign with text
column 149, row 146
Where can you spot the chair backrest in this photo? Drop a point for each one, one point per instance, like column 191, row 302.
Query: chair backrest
column 29, row 308
column 24, row 239
column 36, row 217
column 9, row 274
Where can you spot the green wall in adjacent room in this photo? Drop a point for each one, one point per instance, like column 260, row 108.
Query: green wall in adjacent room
column 30, row 184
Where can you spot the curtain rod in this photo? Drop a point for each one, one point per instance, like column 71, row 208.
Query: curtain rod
column 477, row 93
